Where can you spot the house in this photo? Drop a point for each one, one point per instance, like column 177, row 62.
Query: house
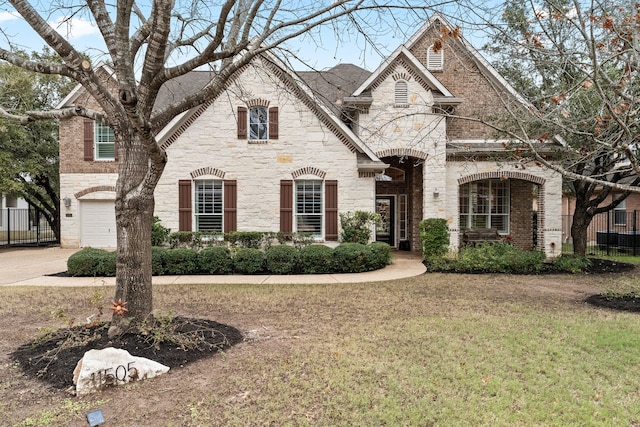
column 286, row 151
column 606, row 228
column 11, row 208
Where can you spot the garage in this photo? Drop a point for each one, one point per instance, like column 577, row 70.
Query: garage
column 97, row 224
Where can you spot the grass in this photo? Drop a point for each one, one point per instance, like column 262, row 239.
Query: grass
column 614, row 254
column 435, row 350
column 18, row 235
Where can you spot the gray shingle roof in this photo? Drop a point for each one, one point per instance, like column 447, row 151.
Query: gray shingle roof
column 335, row 83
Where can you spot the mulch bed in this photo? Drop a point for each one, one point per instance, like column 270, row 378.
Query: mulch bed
column 173, row 343
column 605, row 266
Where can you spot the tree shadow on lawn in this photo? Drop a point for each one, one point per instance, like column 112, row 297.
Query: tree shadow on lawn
column 173, row 342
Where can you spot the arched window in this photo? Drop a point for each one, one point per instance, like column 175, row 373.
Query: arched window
column 401, row 93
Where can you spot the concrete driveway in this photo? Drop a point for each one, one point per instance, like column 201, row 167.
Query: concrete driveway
column 20, row 264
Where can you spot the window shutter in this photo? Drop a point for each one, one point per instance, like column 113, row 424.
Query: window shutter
column 242, row 123
column 331, row 210
column 88, row 139
column 286, row 206
column 273, row 123
column 230, row 206
column 184, row 205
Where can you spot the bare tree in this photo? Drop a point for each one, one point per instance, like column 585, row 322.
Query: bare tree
column 147, row 47
column 576, row 63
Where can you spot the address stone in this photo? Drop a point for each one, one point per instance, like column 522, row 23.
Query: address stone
column 111, row 367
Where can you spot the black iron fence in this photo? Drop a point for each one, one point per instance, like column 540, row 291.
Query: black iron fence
column 21, row 227
column 610, row 233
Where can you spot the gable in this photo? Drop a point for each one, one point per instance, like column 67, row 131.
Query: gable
column 280, row 80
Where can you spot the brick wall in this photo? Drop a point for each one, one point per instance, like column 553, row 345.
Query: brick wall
column 71, row 142
column 521, row 218
column 463, row 79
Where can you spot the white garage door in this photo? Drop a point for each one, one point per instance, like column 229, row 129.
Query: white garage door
column 97, row 224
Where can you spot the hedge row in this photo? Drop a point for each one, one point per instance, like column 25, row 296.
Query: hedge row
column 279, row 259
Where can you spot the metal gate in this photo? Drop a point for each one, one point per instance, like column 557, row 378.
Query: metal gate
column 24, row 227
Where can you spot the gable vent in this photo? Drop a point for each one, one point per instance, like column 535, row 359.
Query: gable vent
column 435, row 60
column 401, row 93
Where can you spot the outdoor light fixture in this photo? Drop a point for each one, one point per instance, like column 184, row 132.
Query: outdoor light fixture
column 435, row 193
column 95, row 418
column 67, row 201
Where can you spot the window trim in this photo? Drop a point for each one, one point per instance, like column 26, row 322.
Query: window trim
column 490, row 197
column 264, row 123
column 321, row 214
column 196, row 215
column 100, row 130
column 621, row 209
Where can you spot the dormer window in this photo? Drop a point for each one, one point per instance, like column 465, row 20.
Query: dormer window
column 401, row 94
column 435, row 58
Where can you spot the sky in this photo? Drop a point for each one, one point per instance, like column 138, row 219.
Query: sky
column 322, row 51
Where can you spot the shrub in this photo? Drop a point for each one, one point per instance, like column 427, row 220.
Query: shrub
column 316, row 259
column 281, row 259
column 211, row 238
column 180, row 261
column 215, row 260
column 157, row 260
column 248, row 261
column 185, row 239
column 351, row 258
column 570, row 264
column 499, row 258
column 301, row 240
column 434, row 237
column 246, row 239
column 380, row 255
column 90, row 262
column 159, row 234
column 356, row 226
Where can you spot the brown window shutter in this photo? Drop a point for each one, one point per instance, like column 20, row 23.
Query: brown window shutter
column 242, row 123
column 331, row 210
column 184, row 205
column 230, row 206
column 273, row 123
column 88, row 139
column 286, row 206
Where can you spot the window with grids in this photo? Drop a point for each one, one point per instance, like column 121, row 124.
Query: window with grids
column 401, row 93
column 485, row 204
column 308, row 210
column 620, row 213
column 208, row 205
column 104, row 139
column 258, row 123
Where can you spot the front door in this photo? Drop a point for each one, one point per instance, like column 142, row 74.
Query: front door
column 385, row 230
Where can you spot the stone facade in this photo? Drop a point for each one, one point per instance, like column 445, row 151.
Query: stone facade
column 305, row 148
column 412, row 137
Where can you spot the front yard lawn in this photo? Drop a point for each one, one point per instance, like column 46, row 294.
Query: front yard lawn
column 438, row 349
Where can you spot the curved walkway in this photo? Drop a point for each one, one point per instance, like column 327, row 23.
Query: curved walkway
column 31, row 267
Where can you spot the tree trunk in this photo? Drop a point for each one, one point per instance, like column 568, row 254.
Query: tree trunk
column 134, row 213
column 581, row 221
